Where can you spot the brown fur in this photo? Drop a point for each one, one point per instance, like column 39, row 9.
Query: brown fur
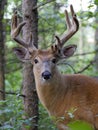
column 66, row 92
column 61, row 93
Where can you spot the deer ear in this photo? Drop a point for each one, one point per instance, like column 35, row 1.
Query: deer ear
column 22, row 54
column 69, row 50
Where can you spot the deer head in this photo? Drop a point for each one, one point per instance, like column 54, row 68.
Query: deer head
column 44, row 61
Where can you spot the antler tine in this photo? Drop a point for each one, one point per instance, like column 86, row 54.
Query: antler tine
column 15, row 30
column 72, row 11
column 56, row 47
column 30, row 40
column 14, row 21
column 68, row 22
column 58, row 41
column 31, row 43
column 72, row 26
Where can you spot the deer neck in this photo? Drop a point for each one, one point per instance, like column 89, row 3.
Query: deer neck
column 49, row 91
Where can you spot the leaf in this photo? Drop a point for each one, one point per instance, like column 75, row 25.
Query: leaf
column 90, row 6
column 6, row 127
column 80, row 125
column 96, row 2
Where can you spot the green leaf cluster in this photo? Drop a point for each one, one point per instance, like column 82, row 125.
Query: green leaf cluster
column 51, row 23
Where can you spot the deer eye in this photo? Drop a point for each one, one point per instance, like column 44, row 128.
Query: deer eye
column 35, row 61
column 54, row 60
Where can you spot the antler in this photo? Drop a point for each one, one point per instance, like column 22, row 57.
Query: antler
column 72, row 26
column 15, row 31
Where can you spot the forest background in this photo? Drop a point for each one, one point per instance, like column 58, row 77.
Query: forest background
column 14, row 112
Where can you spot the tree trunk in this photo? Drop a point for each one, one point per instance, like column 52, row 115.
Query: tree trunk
column 2, row 40
column 31, row 99
column 96, row 42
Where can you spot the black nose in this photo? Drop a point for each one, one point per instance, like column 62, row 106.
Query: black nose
column 46, row 75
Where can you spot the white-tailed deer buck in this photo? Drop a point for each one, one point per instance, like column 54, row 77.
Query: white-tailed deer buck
column 59, row 93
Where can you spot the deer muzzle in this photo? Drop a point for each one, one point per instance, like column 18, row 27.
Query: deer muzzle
column 46, row 75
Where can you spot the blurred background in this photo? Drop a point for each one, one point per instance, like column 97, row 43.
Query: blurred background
column 51, row 22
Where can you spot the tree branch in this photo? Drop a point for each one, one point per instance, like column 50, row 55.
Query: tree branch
column 86, row 67
column 12, row 93
column 42, row 4
column 64, row 63
column 85, row 53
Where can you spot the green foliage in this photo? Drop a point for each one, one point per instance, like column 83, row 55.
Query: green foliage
column 45, row 122
column 96, row 2
column 79, row 125
column 11, row 113
column 51, row 22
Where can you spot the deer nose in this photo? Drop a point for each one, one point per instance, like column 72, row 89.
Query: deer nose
column 46, row 75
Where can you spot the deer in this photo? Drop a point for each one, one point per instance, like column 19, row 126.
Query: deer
column 59, row 93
